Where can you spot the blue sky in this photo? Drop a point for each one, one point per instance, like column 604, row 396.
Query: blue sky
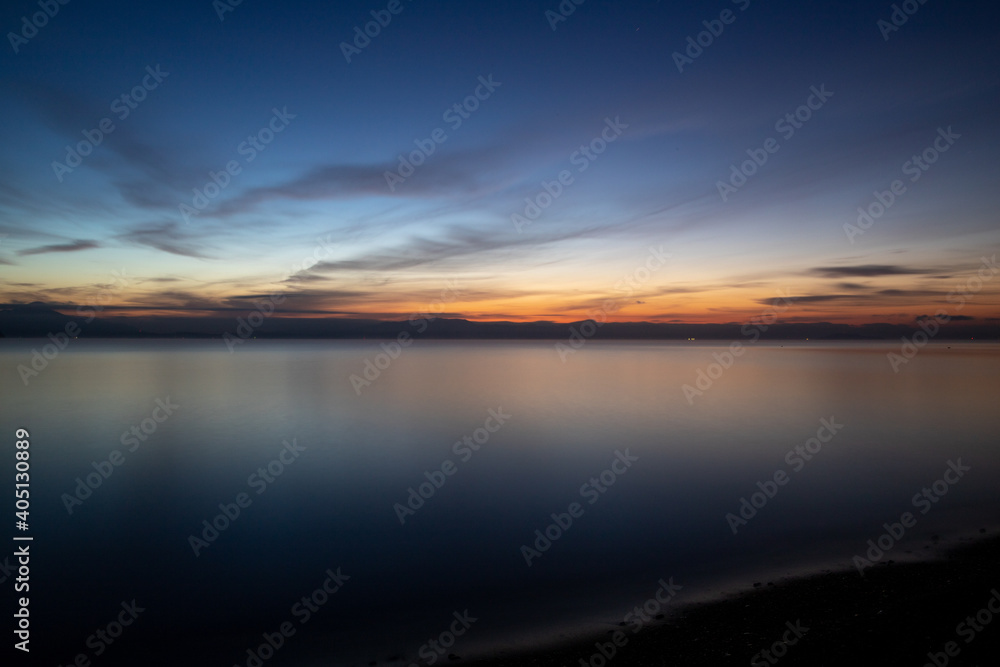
column 318, row 190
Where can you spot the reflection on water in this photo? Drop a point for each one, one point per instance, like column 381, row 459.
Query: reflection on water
column 480, row 488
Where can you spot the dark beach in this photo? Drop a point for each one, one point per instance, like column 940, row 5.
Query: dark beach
column 897, row 614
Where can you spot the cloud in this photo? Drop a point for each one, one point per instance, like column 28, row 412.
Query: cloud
column 456, row 248
column 867, row 271
column 61, row 247
column 67, row 113
column 165, row 236
column 485, row 170
column 305, row 277
column 953, row 318
column 311, row 302
column 912, row 292
column 818, row 298
column 469, row 172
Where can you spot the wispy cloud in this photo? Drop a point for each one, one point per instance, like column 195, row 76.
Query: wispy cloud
column 448, row 174
column 166, row 236
column 868, row 271
column 457, row 247
column 61, row 247
column 816, row 298
column 952, row 318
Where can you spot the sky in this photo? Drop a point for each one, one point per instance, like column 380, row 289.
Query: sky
column 641, row 161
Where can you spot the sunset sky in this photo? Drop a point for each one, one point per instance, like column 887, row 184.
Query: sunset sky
column 597, row 98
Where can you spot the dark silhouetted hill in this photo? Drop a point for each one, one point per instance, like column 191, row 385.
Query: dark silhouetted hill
column 39, row 320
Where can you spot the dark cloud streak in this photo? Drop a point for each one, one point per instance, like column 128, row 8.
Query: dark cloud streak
column 61, row 247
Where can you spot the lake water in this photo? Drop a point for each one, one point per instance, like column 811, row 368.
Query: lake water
column 666, row 473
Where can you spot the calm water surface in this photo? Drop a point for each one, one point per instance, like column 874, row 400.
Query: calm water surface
column 331, row 505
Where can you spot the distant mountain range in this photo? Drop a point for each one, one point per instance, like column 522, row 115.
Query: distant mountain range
column 39, row 320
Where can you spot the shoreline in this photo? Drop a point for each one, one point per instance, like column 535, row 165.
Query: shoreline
column 897, row 613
